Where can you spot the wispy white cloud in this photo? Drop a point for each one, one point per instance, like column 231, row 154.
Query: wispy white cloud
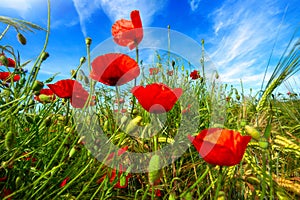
column 244, row 33
column 22, row 7
column 118, row 9
column 194, row 4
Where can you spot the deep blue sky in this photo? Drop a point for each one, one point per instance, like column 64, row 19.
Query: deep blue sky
column 238, row 34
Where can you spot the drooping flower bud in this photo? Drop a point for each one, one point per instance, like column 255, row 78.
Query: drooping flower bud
column 82, row 60
column 3, row 60
column 133, row 124
column 37, row 86
column 21, row 39
column 9, row 140
column 154, row 169
column 44, row 56
column 252, row 132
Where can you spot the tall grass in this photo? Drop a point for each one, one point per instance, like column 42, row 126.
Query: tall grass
column 44, row 145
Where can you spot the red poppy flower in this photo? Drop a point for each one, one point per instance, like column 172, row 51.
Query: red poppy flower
column 3, row 179
column 64, row 182
column 128, row 33
column 195, row 75
column 157, row 97
column 70, row 89
column 6, row 192
column 153, row 70
column 6, row 76
column 120, row 152
column 11, row 63
column 114, row 69
column 220, row 146
column 80, row 96
column 113, row 175
column 45, row 96
column 63, row 88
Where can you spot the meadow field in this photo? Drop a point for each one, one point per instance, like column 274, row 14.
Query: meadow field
column 118, row 128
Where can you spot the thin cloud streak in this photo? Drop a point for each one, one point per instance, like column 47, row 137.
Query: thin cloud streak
column 244, row 36
column 194, row 4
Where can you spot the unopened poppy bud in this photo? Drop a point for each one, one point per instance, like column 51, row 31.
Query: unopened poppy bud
column 263, row 144
column 48, row 121
column 238, row 97
column 252, row 132
column 72, row 152
column 217, row 75
column 45, row 98
column 122, row 180
column 221, row 195
column 22, row 81
column 9, row 140
column 188, row 196
column 105, row 126
column 67, row 129
column 82, row 60
column 133, row 124
column 173, row 63
column 21, row 39
column 37, row 85
column 154, row 169
column 3, row 60
column 172, row 197
column 88, row 41
column 18, row 182
column 44, row 56
column 73, row 73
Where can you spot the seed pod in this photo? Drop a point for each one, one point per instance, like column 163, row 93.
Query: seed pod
column 252, row 132
column 37, row 85
column 9, row 140
column 21, row 39
column 154, row 169
column 88, row 41
column 133, row 124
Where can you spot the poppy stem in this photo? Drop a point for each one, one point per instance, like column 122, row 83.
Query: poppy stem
column 196, row 183
column 219, row 183
column 133, row 97
column 68, row 110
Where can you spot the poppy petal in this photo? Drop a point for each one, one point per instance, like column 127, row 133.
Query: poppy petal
column 128, row 33
column 220, row 146
column 114, row 69
column 157, row 97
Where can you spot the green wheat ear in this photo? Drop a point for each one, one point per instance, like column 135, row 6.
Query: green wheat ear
column 19, row 24
column 287, row 66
